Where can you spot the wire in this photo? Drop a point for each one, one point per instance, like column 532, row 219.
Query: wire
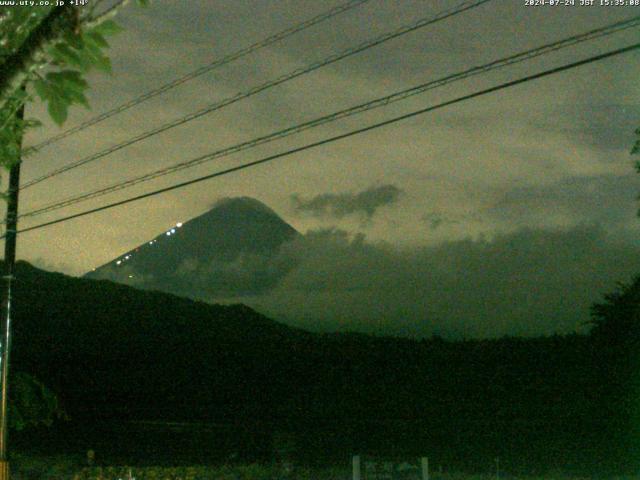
column 262, row 87
column 335, row 138
column 380, row 102
column 200, row 71
column 108, row 11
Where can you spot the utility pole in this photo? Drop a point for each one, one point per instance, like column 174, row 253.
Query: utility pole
column 8, row 275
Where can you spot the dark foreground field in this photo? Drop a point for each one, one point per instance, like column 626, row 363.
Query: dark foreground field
column 70, row 468
column 149, row 379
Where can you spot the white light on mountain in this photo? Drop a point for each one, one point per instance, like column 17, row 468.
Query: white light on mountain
column 179, row 224
column 118, row 262
column 150, row 243
column 168, row 233
column 127, row 257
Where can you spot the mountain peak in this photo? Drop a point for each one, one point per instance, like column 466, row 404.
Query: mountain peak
column 227, row 251
column 242, row 204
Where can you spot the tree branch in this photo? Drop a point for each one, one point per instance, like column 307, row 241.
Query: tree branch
column 16, row 67
column 107, row 14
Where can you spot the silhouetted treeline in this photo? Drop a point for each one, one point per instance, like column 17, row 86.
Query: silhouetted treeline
column 113, row 353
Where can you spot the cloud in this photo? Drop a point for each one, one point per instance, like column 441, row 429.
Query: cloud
column 364, row 203
column 531, row 282
column 435, row 220
column 591, row 124
column 603, row 199
column 246, row 274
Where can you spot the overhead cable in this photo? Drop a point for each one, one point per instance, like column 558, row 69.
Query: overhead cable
column 363, row 107
column 467, row 5
column 335, row 138
column 198, row 72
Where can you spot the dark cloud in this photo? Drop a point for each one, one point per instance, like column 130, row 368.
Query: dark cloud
column 604, row 199
column 592, row 125
column 531, row 282
column 435, row 220
column 364, row 203
column 246, row 274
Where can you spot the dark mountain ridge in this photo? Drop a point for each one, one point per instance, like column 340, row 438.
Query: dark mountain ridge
column 113, row 352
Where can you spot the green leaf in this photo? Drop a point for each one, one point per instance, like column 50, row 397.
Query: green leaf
column 12, row 151
column 19, row 95
column 56, row 88
column 65, row 54
column 104, row 64
column 66, row 87
column 108, row 27
column 58, row 110
column 100, row 61
column 93, row 55
column 97, row 38
column 75, row 40
column 42, row 89
column 70, row 78
column 77, row 97
column 31, row 403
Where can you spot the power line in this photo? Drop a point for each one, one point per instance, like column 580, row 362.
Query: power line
column 423, row 22
column 198, row 72
column 380, row 102
column 335, row 138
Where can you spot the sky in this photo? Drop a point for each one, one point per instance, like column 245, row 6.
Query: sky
column 526, row 198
